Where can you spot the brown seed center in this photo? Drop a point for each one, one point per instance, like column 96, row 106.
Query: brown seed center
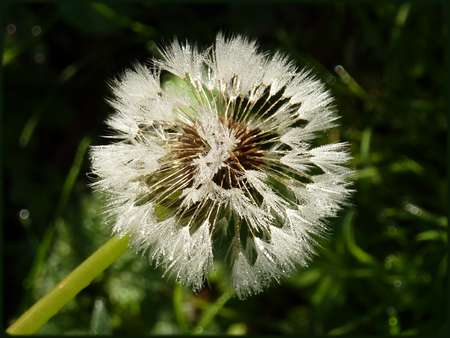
column 245, row 155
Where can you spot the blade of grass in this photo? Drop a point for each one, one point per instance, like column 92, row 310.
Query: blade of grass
column 352, row 85
column 29, row 128
column 31, row 124
column 365, row 145
column 212, row 311
column 124, row 21
column 354, row 249
column 64, row 197
column 355, row 323
column 73, row 174
column 178, row 308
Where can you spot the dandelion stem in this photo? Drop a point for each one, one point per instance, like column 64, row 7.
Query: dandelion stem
column 212, row 311
column 35, row 317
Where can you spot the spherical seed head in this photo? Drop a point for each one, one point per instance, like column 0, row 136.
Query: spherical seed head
column 222, row 153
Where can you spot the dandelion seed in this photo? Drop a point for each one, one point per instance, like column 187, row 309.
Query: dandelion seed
column 231, row 150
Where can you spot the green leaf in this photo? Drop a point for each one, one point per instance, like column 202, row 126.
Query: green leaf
column 432, row 235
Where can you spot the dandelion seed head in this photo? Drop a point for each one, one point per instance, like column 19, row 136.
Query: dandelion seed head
column 231, row 140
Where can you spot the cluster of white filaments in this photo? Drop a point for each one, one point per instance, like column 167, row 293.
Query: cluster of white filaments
column 217, row 163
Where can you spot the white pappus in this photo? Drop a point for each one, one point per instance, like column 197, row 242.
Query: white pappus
column 224, row 156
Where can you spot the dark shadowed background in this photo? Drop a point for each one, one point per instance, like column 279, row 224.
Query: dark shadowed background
column 384, row 269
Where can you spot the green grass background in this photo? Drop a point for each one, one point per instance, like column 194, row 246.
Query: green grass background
column 384, row 269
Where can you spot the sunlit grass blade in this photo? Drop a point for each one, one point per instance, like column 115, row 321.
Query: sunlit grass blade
column 212, row 311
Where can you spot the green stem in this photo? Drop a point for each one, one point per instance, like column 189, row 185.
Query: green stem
column 36, row 316
column 212, row 311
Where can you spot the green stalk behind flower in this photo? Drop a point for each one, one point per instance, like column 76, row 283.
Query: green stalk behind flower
column 39, row 314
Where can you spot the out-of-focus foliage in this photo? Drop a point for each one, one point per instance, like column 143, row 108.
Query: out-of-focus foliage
column 384, row 268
